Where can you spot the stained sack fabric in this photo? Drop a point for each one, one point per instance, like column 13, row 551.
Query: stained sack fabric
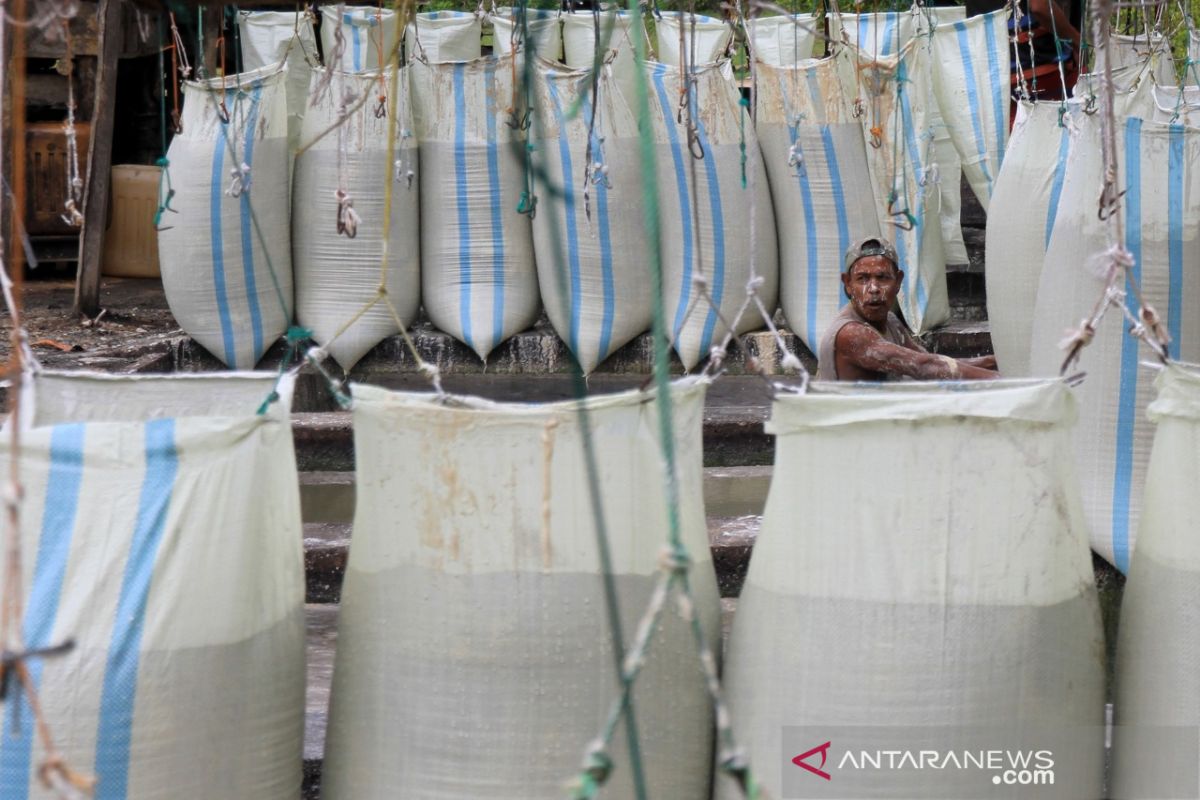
column 473, row 614
column 269, row 37
column 886, row 33
column 1162, row 222
column 895, row 95
column 971, row 84
column 1140, row 50
column 169, row 549
column 1024, row 206
column 544, row 26
column 579, row 31
column 711, row 37
column 336, row 275
column 709, row 233
column 438, row 36
column 368, row 37
column 479, row 281
column 1177, row 105
column 590, row 243
column 922, row 611
column 815, row 158
column 226, row 255
column 783, row 41
column 1156, row 697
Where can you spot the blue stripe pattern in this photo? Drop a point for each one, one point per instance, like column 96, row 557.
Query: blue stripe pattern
column 54, row 550
column 914, row 155
column 685, row 209
column 462, row 201
column 1175, row 192
column 217, row 242
column 889, row 28
column 998, row 80
column 964, row 52
column 117, row 699
column 811, row 232
column 717, row 286
column 497, row 204
column 1127, row 396
column 835, row 179
column 1060, row 171
column 248, row 239
column 606, row 270
column 356, row 42
column 568, row 172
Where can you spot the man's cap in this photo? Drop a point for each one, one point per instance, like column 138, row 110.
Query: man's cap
column 871, row 246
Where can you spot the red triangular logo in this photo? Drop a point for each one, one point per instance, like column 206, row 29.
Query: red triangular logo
column 823, row 749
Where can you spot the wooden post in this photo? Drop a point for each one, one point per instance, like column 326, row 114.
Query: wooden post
column 96, row 190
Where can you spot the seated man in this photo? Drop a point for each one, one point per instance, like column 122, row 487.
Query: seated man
column 867, row 342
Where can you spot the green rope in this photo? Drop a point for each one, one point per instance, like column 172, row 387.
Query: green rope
column 598, row 766
column 744, row 102
column 295, row 336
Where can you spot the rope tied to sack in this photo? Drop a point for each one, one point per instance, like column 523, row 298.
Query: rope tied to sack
column 347, row 217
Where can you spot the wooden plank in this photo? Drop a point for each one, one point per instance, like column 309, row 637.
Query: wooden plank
column 95, row 203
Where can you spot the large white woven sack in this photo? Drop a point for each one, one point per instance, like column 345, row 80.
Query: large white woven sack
column 1178, row 105
column 369, row 36
column 894, row 596
column 1158, row 646
column 1162, row 223
column 971, row 83
column 886, row 33
column 167, row 547
column 579, row 45
column 590, row 244
column 473, row 612
column 815, row 158
column 783, row 41
column 712, row 37
column 896, row 95
column 545, row 31
column 437, row 36
column 478, row 277
column 269, row 37
column 714, row 229
column 337, row 276
column 226, row 255
column 1153, row 52
column 1024, row 205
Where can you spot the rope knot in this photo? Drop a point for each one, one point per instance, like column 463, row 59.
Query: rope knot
column 792, row 361
column 296, row 334
column 674, row 559
column 239, row 183
column 347, row 217
column 753, row 285
column 699, row 280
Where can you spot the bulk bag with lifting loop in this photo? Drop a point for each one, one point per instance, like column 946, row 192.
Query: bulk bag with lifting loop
column 368, row 35
column 816, row 161
column 894, row 94
column 711, row 35
column 1024, row 205
column 338, row 250
column 921, row 581
column 473, row 648
column 589, row 241
column 1028, row 192
column 971, row 83
column 444, row 36
column 1161, row 207
column 885, row 33
column 226, row 255
column 783, row 41
column 479, row 281
column 1157, row 706
column 269, row 37
column 716, row 234
column 614, row 30
column 544, row 26
column 161, row 533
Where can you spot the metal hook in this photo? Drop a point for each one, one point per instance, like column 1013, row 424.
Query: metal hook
column 1108, row 204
